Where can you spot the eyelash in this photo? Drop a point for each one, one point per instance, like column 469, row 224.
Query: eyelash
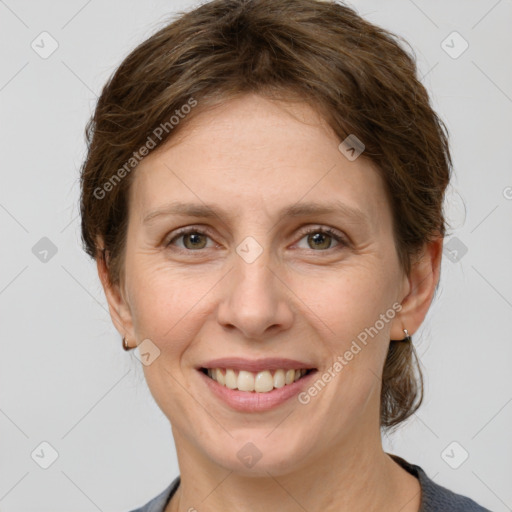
column 342, row 241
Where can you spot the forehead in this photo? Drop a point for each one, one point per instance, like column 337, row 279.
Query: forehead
column 255, row 155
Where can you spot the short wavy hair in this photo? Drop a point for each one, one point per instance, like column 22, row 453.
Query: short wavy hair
column 356, row 75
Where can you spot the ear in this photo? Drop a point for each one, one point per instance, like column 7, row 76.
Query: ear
column 419, row 289
column 117, row 304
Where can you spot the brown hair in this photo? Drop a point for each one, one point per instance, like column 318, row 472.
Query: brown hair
column 355, row 74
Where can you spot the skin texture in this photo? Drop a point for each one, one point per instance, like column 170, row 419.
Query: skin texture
column 302, row 298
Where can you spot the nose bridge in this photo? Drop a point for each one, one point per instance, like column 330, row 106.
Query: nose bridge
column 253, row 278
column 255, row 298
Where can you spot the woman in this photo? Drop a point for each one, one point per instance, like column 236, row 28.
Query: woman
column 263, row 197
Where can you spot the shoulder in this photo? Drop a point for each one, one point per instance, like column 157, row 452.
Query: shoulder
column 435, row 497
column 159, row 503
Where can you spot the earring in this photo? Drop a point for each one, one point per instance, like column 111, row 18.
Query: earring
column 407, row 339
column 125, row 345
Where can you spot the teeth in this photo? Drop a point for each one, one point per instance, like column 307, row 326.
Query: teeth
column 219, row 376
column 231, row 380
column 261, row 382
column 245, row 381
column 279, row 379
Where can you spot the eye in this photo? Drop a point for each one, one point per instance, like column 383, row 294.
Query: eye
column 193, row 239
column 317, row 238
column 321, row 238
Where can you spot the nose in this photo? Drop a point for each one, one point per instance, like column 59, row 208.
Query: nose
column 256, row 300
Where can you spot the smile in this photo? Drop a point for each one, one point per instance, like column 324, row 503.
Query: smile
column 257, row 382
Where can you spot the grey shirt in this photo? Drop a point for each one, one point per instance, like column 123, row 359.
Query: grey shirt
column 434, row 497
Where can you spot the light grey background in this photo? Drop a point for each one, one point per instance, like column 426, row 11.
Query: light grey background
column 64, row 378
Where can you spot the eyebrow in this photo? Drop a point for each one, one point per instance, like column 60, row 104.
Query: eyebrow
column 295, row 210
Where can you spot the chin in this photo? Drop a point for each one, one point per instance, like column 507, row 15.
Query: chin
column 259, row 454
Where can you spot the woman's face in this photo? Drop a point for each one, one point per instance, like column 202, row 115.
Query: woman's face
column 251, row 284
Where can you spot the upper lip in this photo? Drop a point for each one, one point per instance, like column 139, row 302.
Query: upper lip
column 256, row 365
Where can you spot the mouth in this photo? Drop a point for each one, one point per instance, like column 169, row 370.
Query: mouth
column 255, row 385
column 263, row 381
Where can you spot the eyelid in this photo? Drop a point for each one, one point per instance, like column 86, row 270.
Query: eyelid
column 204, row 230
column 339, row 236
column 335, row 233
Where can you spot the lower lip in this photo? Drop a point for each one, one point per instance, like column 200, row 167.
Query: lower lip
column 249, row 401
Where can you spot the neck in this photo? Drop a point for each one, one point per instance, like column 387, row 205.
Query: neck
column 355, row 476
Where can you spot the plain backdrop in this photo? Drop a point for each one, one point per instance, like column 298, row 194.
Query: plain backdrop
column 64, row 379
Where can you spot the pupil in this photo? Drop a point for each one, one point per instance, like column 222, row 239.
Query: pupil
column 192, row 239
column 318, row 238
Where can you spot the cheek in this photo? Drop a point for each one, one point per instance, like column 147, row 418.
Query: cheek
column 357, row 310
column 353, row 300
column 356, row 339
column 165, row 303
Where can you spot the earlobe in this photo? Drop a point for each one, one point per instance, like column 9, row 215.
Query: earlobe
column 422, row 282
